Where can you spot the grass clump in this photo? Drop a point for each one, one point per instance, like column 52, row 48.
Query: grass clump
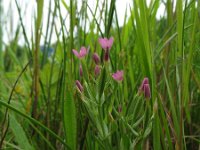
column 101, row 85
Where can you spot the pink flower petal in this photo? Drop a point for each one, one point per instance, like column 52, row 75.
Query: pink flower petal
column 83, row 52
column 76, row 53
column 118, row 76
column 110, row 42
column 103, row 43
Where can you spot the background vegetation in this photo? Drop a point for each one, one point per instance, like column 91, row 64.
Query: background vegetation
column 41, row 108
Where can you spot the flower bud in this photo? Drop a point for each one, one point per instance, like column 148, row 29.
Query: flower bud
column 96, row 58
column 79, row 86
column 147, row 92
column 145, row 88
column 97, row 70
column 145, row 81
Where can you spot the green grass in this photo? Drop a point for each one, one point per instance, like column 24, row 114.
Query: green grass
column 41, row 107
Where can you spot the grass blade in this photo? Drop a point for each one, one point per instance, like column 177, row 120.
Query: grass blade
column 20, row 134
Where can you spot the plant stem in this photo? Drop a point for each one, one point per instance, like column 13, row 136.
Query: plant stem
column 36, row 56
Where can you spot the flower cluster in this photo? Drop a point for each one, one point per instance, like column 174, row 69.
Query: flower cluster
column 106, row 45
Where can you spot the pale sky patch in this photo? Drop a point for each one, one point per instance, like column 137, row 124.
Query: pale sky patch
column 28, row 7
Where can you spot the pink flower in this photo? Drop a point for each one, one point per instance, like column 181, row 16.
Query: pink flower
column 81, row 70
column 79, row 86
column 145, row 87
column 82, row 53
column 105, row 43
column 97, row 70
column 96, row 58
column 118, row 76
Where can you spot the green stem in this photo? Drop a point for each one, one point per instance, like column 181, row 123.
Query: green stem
column 36, row 56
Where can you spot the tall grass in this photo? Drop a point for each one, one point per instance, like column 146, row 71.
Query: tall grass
column 43, row 105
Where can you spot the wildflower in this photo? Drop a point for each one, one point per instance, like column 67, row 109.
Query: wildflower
column 82, row 53
column 81, row 70
column 145, row 87
column 97, row 70
column 79, row 86
column 118, row 76
column 106, row 44
column 96, row 58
